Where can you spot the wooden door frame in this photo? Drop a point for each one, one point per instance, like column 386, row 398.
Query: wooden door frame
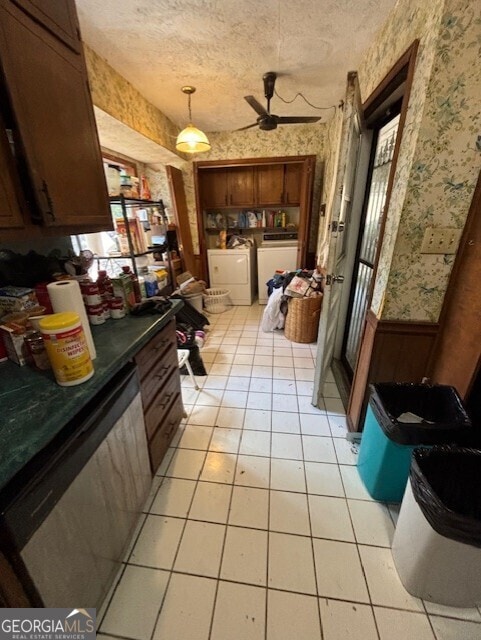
column 305, row 206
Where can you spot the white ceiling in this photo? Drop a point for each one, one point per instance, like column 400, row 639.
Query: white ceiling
column 223, row 47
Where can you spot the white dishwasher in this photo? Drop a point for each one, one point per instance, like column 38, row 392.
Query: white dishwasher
column 272, row 256
column 234, row 269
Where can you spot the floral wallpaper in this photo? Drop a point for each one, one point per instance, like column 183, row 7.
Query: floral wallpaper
column 438, row 163
column 117, row 97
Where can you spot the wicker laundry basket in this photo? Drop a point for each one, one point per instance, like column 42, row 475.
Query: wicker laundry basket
column 302, row 320
column 216, row 300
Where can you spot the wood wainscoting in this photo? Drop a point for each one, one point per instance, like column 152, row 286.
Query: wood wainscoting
column 391, row 351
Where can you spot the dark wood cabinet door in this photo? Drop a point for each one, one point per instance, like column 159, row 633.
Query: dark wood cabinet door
column 49, row 94
column 240, row 186
column 270, row 184
column 214, row 188
column 292, row 183
column 58, row 16
column 10, row 212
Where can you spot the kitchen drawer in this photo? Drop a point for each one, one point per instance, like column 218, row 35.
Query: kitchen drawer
column 161, row 440
column 155, row 349
column 156, row 412
column 154, row 382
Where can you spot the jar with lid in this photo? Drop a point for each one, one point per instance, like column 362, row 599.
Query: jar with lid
column 112, row 175
column 37, row 351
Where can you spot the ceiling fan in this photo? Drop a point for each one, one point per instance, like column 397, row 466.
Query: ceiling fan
column 268, row 121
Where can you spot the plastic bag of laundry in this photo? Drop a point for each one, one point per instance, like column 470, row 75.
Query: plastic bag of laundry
column 273, row 318
column 445, row 484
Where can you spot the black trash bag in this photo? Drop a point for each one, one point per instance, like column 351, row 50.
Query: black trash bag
column 444, row 418
column 445, row 484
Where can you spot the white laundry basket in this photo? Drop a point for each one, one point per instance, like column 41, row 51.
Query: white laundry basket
column 216, row 300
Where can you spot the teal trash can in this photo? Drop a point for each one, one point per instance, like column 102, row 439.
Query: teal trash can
column 399, row 418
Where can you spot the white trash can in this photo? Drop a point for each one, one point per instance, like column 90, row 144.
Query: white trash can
column 433, row 566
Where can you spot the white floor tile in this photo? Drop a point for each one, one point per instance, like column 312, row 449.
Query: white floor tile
column 189, row 396
column 255, row 443
column 288, row 475
column 252, row 471
column 225, row 440
column 205, row 416
column 236, row 399
column 281, row 402
column 164, row 465
column 306, row 406
column 324, row 479
column 230, row 417
column 303, row 362
column 133, row 610
column 286, row 445
column 263, row 351
column 187, row 609
column 219, row 369
column 239, row 612
column 257, row 420
column 249, row 507
column 290, row 615
column 263, row 360
column 245, row 556
column 261, row 401
column 283, row 373
column 261, row 385
column 209, row 398
column 385, row 586
column 211, row 502
column 241, row 370
column 195, row 437
column 394, row 512
column 224, row 358
column 285, row 387
column 186, row 463
column 372, row 523
column 283, row 361
column 200, row 549
column 304, row 388
column 318, row 449
column 244, row 358
column 285, row 422
column 219, row 467
column 453, row 612
column 399, row 625
column 346, row 452
column 448, row 629
column 246, row 349
column 289, row 513
column 173, row 497
column 339, row 571
column 261, row 371
column 158, row 541
column 306, row 375
column 330, row 518
column 237, row 383
column 314, row 424
column 353, row 484
column 291, row 565
column 347, row 621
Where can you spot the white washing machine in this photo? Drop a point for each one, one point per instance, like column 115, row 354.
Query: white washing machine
column 234, row 269
column 274, row 256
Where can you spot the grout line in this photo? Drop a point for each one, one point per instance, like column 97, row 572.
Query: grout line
column 268, row 541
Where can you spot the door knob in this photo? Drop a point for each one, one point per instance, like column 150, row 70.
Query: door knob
column 330, row 279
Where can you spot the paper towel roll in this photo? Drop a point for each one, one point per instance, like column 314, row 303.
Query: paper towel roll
column 65, row 295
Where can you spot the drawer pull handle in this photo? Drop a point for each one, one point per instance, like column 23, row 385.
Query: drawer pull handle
column 161, row 344
column 172, row 423
column 166, row 400
column 164, row 370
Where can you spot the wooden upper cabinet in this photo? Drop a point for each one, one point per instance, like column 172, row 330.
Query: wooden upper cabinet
column 270, row 184
column 292, row 183
column 50, row 99
column 214, row 188
column 10, row 213
column 58, row 16
column 240, row 186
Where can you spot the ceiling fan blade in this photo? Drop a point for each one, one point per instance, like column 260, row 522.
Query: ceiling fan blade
column 297, row 119
column 258, row 108
column 249, row 126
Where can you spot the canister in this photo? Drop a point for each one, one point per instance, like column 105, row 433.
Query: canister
column 67, row 348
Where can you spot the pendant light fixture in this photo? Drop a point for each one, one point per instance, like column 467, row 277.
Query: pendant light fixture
column 191, row 139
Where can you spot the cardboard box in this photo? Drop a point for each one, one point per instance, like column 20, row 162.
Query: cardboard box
column 14, row 345
column 124, row 288
column 16, row 299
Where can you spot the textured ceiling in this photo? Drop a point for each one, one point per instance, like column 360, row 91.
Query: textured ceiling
column 223, row 47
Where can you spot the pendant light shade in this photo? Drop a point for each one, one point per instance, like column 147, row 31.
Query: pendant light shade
column 191, row 139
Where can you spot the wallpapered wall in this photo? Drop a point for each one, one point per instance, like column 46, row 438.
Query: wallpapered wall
column 438, row 163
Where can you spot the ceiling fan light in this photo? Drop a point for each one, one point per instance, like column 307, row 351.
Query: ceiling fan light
column 192, row 140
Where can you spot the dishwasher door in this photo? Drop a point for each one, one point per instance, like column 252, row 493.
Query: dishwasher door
column 73, row 523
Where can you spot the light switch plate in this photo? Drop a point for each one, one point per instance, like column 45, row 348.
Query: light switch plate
column 440, row 240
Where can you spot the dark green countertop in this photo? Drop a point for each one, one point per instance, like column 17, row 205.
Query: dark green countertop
column 34, row 408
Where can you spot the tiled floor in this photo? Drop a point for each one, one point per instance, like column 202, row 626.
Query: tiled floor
column 258, row 526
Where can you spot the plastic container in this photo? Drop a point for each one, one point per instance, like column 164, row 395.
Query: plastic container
column 216, row 300
column 437, row 543
column 388, row 441
column 67, row 348
column 195, row 299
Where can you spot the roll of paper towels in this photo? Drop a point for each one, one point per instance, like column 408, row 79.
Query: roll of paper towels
column 65, row 295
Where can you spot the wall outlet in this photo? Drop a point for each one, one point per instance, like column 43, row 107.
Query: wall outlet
column 437, row 240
